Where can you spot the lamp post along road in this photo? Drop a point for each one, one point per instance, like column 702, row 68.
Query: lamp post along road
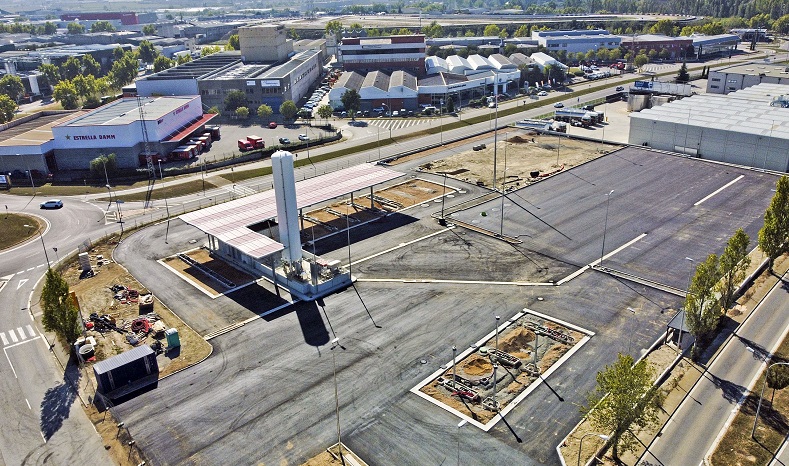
column 336, row 343
column 684, row 311
column 605, row 225
column 761, row 395
column 42, row 241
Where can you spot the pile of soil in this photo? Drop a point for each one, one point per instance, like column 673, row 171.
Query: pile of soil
column 477, row 365
column 517, row 341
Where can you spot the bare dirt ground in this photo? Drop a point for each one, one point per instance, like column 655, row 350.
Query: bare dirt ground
column 397, row 197
column 523, row 153
column 218, row 266
column 94, row 295
column 331, row 457
column 516, row 340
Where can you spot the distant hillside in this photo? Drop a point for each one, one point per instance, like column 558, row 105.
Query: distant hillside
column 719, row 8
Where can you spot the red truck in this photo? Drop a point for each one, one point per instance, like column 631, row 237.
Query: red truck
column 215, row 133
column 244, row 145
column 256, row 141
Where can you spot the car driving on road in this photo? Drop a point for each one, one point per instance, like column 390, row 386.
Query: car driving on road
column 52, row 204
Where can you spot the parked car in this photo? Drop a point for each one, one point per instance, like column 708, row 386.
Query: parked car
column 395, row 113
column 52, row 204
column 492, row 105
column 303, row 137
column 620, row 88
column 273, row 125
column 284, row 141
column 558, row 105
column 542, row 93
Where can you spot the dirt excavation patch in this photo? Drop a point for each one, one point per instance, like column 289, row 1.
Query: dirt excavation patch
column 526, row 154
column 217, row 266
column 527, row 347
column 327, row 220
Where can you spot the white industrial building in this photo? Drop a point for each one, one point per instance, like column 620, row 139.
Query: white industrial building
column 736, row 77
column 749, row 127
column 122, row 126
column 577, row 40
column 543, row 59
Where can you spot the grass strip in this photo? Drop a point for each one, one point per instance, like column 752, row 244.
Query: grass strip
column 176, row 190
column 13, row 230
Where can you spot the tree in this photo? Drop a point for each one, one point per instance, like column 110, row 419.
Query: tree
column 75, row 28
column 288, row 110
column 352, row 101
column 640, row 60
column 50, row 28
column 66, row 94
column 325, row 111
column 234, row 100
column 118, row 53
column 147, row 51
column 124, row 70
column 334, row 27
column 12, row 87
column 702, row 311
column 213, row 110
column 149, row 30
column 185, row 58
column 433, row 30
column 85, row 85
column 774, row 235
column 663, row 26
column 625, row 397
column 208, row 50
column 7, row 109
column 233, row 43
column 522, row 31
column 51, row 74
column 293, row 34
column 491, row 30
column 103, row 162
column 71, row 68
column 60, row 315
column 102, row 26
column 778, row 377
column 242, row 112
column 733, row 263
column 682, row 75
column 450, row 105
column 91, row 66
column 161, row 63
column 265, row 112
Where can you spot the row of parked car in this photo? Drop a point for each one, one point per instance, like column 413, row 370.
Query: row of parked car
column 315, row 98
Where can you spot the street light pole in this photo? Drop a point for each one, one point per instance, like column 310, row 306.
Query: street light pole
column 684, row 311
column 42, row 242
column 441, row 119
column 336, row 343
column 580, row 445
column 761, row 395
column 605, row 225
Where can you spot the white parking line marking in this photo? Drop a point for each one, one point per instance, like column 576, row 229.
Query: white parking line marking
column 720, row 189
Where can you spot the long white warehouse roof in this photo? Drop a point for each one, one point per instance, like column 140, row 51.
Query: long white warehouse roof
column 230, row 222
column 746, row 111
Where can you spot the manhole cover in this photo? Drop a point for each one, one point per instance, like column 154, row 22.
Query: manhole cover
column 423, row 361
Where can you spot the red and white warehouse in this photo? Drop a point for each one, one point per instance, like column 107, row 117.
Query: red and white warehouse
column 120, row 127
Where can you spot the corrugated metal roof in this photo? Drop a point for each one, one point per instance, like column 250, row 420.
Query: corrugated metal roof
column 125, row 111
column 230, row 222
column 122, row 359
column 744, row 111
column 377, row 79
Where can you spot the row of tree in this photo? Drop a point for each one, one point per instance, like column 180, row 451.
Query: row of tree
column 11, row 90
column 626, row 398
column 712, row 287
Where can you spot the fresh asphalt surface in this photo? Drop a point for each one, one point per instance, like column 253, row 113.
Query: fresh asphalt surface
column 43, row 420
column 272, row 378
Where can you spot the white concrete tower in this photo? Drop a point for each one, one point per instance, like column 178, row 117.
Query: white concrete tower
column 287, row 210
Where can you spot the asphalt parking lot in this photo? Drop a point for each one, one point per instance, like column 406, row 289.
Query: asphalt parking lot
column 423, row 288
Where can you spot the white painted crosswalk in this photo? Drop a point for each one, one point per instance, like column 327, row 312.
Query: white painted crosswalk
column 16, row 335
column 394, row 123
